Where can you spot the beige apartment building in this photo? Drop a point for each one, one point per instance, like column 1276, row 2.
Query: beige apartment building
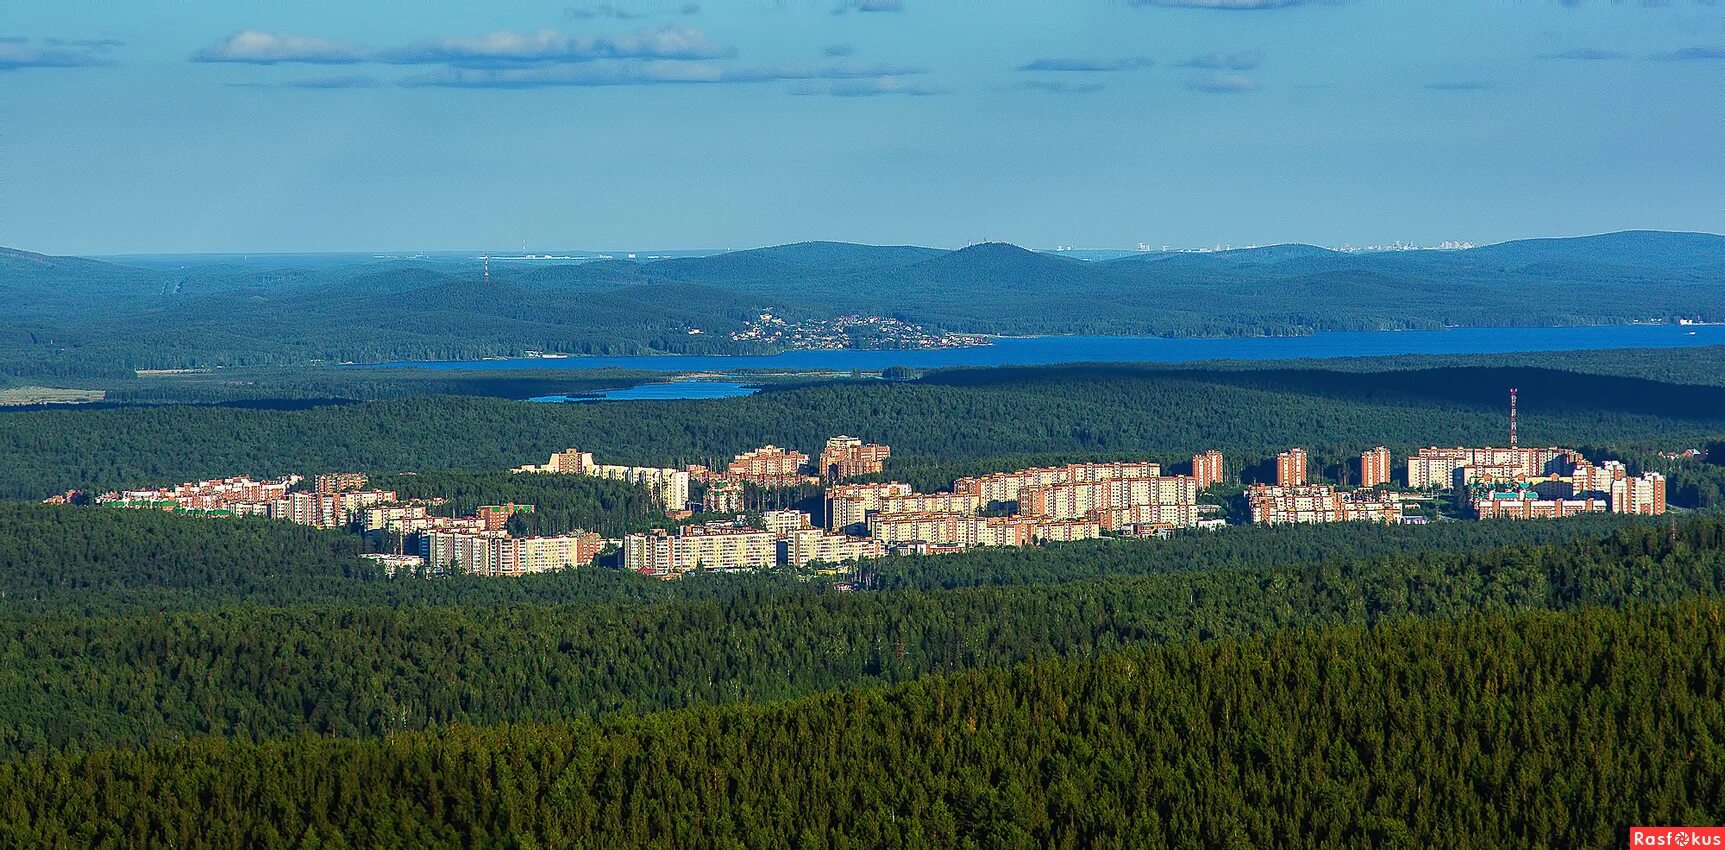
column 711, row 547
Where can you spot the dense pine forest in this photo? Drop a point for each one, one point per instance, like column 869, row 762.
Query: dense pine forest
column 178, row 681
column 942, row 425
column 1526, row 730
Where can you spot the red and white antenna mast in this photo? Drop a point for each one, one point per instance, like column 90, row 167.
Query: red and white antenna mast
column 1512, row 417
column 487, row 280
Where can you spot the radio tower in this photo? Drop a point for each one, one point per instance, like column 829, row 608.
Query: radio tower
column 487, row 280
column 1512, row 417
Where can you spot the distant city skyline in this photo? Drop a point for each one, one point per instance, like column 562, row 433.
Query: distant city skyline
column 324, row 127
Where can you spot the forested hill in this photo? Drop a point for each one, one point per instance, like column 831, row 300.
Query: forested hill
column 85, row 317
column 940, row 427
column 1530, row 730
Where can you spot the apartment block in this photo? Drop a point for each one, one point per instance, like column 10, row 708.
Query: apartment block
column 1291, row 468
column 1320, row 503
column 813, row 545
column 496, row 517
column 209, row 496
column 1079, row 500
column 669, row 486
column 966, row 530
column 848, row 505
column 769, row 466
column 1375, row 467
column 847, row 457
column 718, row 547
column 784, row 522
column 723, row 496
column 1644, row 495
column 1004, row 486
column 339, row 482
column 1207, row 469
column 1437, row 468
column 1180, row 515
column 1528, row 505
column 494, row 553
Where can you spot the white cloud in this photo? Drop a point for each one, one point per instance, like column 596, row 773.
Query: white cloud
column 263, row 48
column 505, row 48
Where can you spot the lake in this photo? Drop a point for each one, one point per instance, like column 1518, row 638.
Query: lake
column 1047, row 350
column 660, row 392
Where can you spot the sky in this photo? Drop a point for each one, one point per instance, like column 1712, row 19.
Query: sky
column 178, row 126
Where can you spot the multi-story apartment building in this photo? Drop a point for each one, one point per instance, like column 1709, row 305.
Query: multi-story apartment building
column 494, row 553
column 1207, row 469
column 940, row 529
column 669, row 486
column 1079, row 500
column 966, row 530
column 1524, row 504
column 848, row 505
column 206, row 496
column 1644, row 495
column 1318, row 503
column 804, row 546
column 323, row 510
column 723, row 496
column 963, row 503
column 718, row 547
column 847, row 457
column 339, row 482
column 1438, row 468
column 1181, row 515
column 1587, row 478
column 496, row 517
column 1004, row 486
column 784, row 522
column 769, row 466
column 1375, row 467
column 1291, row 468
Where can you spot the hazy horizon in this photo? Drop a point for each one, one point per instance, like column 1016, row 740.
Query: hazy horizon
column 204, row 127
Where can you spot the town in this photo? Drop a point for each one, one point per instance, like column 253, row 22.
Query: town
column 844, row 332
column 859, row 518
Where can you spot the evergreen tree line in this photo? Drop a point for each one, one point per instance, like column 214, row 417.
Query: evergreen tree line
column 980, row 418
column 1530, row 729
column 561, row 503
column 95, row 561
column 347, row 670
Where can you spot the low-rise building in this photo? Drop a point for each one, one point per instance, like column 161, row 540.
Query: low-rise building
column 1525, row 504
column 1320, row 503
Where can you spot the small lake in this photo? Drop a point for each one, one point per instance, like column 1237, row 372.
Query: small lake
column 667, row 390
column 1049, row 350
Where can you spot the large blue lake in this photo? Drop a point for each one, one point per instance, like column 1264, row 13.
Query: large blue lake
column 1045, row 350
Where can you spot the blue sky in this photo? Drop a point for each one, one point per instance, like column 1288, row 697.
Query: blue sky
column 194, row 125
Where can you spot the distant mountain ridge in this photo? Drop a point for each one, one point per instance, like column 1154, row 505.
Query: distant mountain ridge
column 68, row 314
